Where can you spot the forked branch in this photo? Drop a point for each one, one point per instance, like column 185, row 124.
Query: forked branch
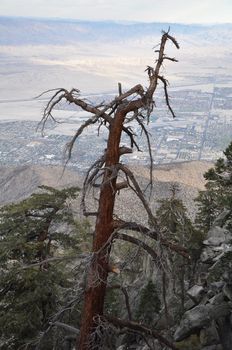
column 153, row 233
column 137, row 327
column 115, row 116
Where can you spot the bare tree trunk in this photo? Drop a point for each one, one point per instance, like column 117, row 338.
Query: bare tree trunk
column 97, row 279
column 140, row 102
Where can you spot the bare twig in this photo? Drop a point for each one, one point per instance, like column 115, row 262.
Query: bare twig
column 141, row 244
column 153, row 233
column 114, row 116
column 127, row 302
column 66, row 327
column 139, row 328
column 149, row 150
column 165, row 82
column 48, row 260
column 138, row 192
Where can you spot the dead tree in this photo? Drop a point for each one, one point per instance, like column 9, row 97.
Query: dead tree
column 136, row 105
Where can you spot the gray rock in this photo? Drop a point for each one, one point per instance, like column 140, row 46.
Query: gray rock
column 227, row 275
column 217, row 299
column 200, row 317
column 208, row 255
column 220, row 220
column 196, row 293
column 210, row 294
column 224, row 247
column 193, row 320
column 209, row 336
column 217, row 285
column 221, row 251
column 224, row 332
column 217, row 236
column 220, row 311
column 227, row 291
column 189, row 304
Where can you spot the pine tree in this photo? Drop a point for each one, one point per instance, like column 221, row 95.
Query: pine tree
column 149, row 304
column 177, row 227
column 31, row 289
column 207, row 209
column 172, row 217
column 217, row 198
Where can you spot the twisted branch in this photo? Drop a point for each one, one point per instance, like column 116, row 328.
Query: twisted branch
column 137, row 327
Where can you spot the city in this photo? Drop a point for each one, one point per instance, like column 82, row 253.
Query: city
column 201, row 130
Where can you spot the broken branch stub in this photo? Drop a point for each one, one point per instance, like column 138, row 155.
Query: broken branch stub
column 116, row 117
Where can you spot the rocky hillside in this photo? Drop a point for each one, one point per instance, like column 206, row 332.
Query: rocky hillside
column 187, row 173
column 17, row 183
column 188, row 176
column 207, row 322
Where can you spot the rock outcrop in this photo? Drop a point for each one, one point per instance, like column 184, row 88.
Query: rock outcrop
column 209, row 321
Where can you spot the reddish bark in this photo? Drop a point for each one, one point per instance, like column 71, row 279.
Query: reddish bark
column 95, row 294
column 137, row 100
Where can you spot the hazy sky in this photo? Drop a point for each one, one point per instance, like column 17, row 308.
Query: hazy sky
column 187, row 11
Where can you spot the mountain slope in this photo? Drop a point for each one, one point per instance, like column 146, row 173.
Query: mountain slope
column 17, row 183
column 186, row 173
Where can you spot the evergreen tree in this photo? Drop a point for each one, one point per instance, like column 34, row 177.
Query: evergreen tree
column 172, row 217
column 177, row 227
column 32, row 235
column 207, row 209
column 218, row 195
column 149, row 304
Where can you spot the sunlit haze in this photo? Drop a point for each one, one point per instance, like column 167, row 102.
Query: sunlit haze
column 193, row 11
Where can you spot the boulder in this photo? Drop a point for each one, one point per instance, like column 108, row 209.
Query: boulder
column 221, row 270
column 190, row 343
column 209, row 336
column 209, row 323
column 218, row 235
column 196, row 293
column 199, row 317
column 207, row 255
column 217, row 299
column 192, row 321
column 189, row 304
column 227, row 291
column 217, row 286
column 221, row 219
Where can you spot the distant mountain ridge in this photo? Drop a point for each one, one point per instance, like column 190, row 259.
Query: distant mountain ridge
column 26, row 31
column 18, row 182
